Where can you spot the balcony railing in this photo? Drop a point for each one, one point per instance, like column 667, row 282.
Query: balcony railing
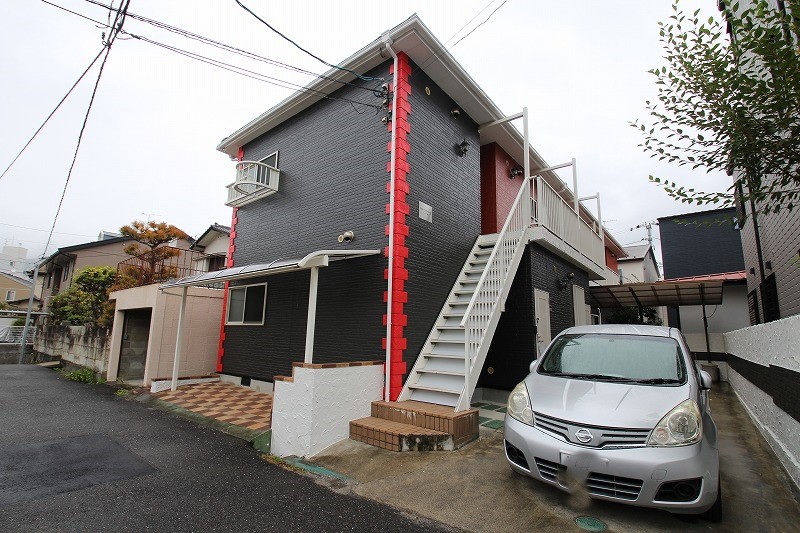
column 559, row 216
column 162, row 264
column 254, row 180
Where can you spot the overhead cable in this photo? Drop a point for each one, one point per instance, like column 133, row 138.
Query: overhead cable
column 267, row 24
column 53, row 112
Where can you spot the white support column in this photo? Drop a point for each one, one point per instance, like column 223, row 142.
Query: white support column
column 526, row 158
column 575, row 187
column 177, row 360
column 312, row 314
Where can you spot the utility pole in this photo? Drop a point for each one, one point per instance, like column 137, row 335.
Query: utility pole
column 24, row 340
column 649, row 227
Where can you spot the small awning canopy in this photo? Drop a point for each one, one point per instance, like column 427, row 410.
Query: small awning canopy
column 666, row 293
column 320, row 258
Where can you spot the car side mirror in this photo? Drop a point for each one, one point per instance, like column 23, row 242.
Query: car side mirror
column 705, row 380
column 533, row 365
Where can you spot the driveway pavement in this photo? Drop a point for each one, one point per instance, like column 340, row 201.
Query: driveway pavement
column 473, row 488
column 75, row 458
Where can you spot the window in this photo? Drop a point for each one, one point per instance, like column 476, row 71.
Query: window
column 271, row 160
column 66, row 272
column 769, row 299
column 216, row 262
column 246, row 304
column 11, row 296
column 752, row 304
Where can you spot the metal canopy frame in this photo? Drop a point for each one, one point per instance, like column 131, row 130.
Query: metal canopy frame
column 312, row 261
column 657, row 294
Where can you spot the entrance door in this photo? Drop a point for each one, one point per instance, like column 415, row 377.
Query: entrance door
column 542, row 311
column 133, row 351
column 580, row 316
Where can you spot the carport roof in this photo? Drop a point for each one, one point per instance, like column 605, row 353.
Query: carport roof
column 279, row 266
column 656, row 294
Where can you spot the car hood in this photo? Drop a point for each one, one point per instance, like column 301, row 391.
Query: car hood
column 602, row 403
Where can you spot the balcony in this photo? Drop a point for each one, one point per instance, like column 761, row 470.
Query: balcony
column 560, row 218
column 254, row 180
column 159, row 265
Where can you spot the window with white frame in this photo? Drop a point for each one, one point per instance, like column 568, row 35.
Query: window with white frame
column 271, row 160
column 246, row 305
column 11, row 296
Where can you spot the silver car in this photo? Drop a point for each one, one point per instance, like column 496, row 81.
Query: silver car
column 621, row 411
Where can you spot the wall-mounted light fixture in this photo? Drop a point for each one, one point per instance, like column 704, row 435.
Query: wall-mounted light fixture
column 515, row 172
column 461, row 148
column 563, row 282
column 456, row 112
column 752, row 270
column 768, row 264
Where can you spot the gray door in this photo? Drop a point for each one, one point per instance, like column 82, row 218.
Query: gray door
column 133, row 351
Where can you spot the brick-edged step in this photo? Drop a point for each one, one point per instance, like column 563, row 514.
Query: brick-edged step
column 414, row 425
column 398, row 437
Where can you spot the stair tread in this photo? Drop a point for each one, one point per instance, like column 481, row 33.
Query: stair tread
column 443, row 372
column 395, row 428
column 417, row 386
column 443, row 355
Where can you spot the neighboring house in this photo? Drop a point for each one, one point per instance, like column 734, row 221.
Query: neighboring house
column 639, row 265
column 58, row 269
column 14, row 287
column 213, row 244
column 706, row 247
column 346, row 246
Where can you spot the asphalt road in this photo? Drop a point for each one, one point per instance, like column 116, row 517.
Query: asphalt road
column 75, row 458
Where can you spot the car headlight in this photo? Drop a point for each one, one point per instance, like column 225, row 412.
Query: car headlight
column 519, row 404
column 681, row 426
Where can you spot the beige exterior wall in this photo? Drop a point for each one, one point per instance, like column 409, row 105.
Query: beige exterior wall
column 9, row 284
column 200, row 330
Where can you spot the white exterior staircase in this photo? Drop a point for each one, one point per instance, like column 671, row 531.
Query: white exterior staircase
column 451, row 360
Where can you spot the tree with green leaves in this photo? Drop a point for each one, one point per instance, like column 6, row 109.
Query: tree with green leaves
column 149, row 248
column 86, row 300
column 730, row 103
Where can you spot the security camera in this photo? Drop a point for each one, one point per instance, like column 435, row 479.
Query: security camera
column 456, row 112
column 570, row 275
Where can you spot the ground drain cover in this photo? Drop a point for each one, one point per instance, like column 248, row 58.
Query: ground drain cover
column 33, row 471
column 590, row 523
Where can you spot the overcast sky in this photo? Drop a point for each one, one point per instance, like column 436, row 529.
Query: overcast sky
column 149, row 147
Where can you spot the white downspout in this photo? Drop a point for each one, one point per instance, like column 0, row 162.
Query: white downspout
column 386, row 394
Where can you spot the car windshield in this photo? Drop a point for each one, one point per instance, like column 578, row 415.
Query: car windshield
column 609, row 357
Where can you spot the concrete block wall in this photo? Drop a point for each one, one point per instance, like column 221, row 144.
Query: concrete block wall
column 764, row 370
column 82, row 345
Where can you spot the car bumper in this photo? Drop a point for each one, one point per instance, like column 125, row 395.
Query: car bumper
column 616, row 474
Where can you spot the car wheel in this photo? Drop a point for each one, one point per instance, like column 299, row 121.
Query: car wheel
column 714, row 514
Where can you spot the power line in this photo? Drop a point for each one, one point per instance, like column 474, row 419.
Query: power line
column 111, row 38
column 37, row 229
column 228, row 66
column 481, row 24
column 53, row 112
column 267, row 24
column 232, row 49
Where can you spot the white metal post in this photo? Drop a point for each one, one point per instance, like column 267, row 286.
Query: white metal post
column 600, row 218
column 312, row 314
column 575, row 188
column 526, row 158
column 390, row 272
column 177, row 360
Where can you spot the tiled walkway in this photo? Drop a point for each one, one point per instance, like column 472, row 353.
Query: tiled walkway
column 490, row 415
column 225, row 402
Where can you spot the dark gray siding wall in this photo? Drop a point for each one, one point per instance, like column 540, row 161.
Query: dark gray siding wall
column 333, row 179
column 348, row 323
column 451, row 185
column 696, row 244
column 514, row 344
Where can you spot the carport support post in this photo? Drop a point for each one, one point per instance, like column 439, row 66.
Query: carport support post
column 312, row 314
column 177, row 360
column 705, row 318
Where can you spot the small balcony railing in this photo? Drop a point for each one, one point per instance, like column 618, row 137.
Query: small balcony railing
column 254, row 180
column 162, row 264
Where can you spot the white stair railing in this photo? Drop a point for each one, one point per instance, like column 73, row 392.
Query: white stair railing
column 482, row 313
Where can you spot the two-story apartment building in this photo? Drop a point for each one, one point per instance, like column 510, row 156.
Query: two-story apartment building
column 391, row 211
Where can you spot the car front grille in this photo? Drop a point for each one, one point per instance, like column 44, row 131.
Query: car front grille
column 623, row 488
column 548, row 469
column 602, row 437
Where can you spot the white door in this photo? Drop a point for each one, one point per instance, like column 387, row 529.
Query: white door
column 542, row 311
column 579, row 306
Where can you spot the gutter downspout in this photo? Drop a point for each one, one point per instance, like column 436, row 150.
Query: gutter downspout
column 387, row 41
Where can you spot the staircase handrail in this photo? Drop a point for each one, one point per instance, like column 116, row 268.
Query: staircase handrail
column 519, row 209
